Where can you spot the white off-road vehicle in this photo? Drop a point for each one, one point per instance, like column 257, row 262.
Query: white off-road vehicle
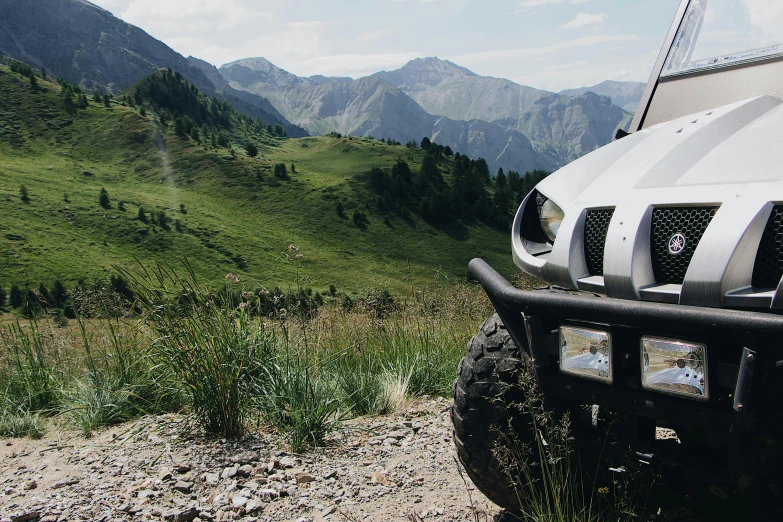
column 664, row 252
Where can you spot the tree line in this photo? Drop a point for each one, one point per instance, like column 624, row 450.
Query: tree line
column 468, row 191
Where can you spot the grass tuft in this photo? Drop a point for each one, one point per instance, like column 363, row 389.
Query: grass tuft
column 211, row 348
column 20, row 423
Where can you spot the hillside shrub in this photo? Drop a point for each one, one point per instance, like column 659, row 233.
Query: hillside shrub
column 103, row 199
column 281, row 171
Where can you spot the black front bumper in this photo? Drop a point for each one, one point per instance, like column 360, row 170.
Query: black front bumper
column 745, row 355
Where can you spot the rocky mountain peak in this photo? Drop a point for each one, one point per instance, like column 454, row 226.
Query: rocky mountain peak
column 430, row 71
column 249, row 71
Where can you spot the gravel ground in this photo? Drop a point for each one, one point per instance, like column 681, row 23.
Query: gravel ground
column 399, row 467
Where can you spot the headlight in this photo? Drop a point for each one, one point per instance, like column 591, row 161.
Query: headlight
column 551, row 216
column 586, row 353
column 675, row 367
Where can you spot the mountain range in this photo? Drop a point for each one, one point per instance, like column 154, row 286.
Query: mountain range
column 510, row 125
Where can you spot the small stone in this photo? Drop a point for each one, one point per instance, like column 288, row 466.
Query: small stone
column 182, row 468
column 27, row 517
column 230, row 472
column 331, row 474
column 379, row 478
column 181, row 515
column 304, row 478
column 64, row 483
column 397, row 434
column 252, row 506
column 288, row 462
column 211, row 479
column 245, row 470
column 328, row 511
column 146, row 493
column 270, row 494
column 247, row 457
column 30, row 485
column 238, row 501
column 184, row 487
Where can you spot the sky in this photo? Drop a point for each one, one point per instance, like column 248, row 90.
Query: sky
column 548, row 44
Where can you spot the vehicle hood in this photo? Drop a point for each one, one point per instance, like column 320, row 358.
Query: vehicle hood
column 729, row 158
column 701, row 157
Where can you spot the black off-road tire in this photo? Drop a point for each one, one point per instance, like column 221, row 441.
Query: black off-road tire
column 478, row 414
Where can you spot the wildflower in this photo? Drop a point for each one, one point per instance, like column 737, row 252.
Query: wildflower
column 232, row 277
column 244, row 306
column 292, row 248
column 603, row 490
column 299, row 256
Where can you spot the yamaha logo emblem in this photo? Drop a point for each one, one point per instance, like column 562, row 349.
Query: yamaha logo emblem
column 677, row 244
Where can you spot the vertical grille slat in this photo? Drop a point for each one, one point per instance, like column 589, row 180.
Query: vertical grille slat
column 596, row 227
column 768, row 268
column 667, row 222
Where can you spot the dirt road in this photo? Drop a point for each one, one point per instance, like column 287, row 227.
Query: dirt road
column 399, row 467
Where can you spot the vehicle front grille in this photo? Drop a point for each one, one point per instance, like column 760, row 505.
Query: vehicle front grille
column 769, row 259
column 670, row 265
column 596, row 227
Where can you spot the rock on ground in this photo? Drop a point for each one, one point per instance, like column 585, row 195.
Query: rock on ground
column 399, row 467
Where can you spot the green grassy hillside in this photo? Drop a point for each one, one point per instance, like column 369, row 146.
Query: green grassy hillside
column 239, row 217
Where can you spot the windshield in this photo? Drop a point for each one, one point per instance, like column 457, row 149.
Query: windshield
column 716, row 33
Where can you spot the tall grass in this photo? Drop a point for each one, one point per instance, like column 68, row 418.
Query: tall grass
column 210, row 346
column 121, row 380
column 29, row 381
column 552, row 484
column 191, row 349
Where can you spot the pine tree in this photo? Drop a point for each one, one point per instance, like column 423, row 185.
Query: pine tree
column 59, row 294
column 16, row 297
column 23, row 194
column 33, row 83
column 106, row 100
column 103, row 199
column 3, row 298
column 252, row 150
column 142, row 216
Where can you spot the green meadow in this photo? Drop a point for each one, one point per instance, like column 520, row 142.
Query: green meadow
column 226, row 212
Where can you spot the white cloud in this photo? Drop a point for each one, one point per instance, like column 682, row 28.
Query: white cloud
column 496, row 55
column 375, row 35
column 585, row 20
column 766, row 15
column 536, row 3
column 185, row 16
column 354, row 65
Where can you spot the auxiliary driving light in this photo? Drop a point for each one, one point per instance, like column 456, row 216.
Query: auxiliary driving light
column 675, row 367
column 586, row 353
